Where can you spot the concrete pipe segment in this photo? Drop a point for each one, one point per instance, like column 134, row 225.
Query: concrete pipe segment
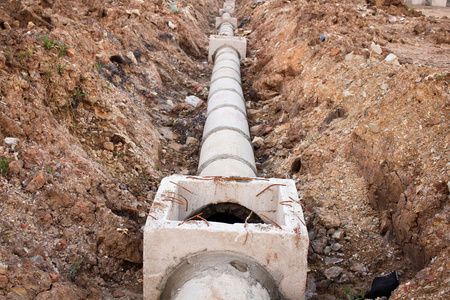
column 222, row 256
column 226, row 146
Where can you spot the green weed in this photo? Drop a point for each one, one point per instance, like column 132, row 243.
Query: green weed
column 24, row 55
column 77, row 95
column 60, row 68
column 4, row 165
column 61, row 49
column 107, row 86
column 349, row 296
column 98, row 65
column 48, row 44
column 48, row 74
column 75, row 267
column 49, row 169
column 7, row 54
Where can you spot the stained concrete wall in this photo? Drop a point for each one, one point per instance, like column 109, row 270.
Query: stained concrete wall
column 441, row 3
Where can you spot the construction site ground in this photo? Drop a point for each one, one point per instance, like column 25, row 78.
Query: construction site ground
column 349, row 98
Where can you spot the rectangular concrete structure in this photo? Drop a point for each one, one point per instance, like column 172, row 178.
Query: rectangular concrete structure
column 169, row 242
column 441, row 3
column 217, row 41
column 220, row 20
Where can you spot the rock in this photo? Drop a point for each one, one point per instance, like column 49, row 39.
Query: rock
column 38, row 181
column 376, row 48
column 392, row 59
column 131, row 56
column 184, row 172
column 10, row 127
column 12, row 142
column 349, row 56
column 70, row 52
column 392, row 19
column 2, row 60
column 30, row 25
column 333, row 260
column 374, row 127
column 135, row 11
column 6, row 25
column 3, row 281
column 335, row 51
column 336, row 247
column 333, row 272
column 193, row 100
column 328, row 219
column 254, row 130
column 18, row 292
column 171, row 25
column 3, row 269
column 338, row 235
column 319, row 244
column 268, row 129
column 59, row 198
column 15, row 166
column 102, row 58
column 191, row 140
column 258, row 142
column 108, row 146
column 357, row 267
column 327, row 250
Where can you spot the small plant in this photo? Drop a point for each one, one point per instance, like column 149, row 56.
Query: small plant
column 48, row 44
column 61, row 49
column 348, row 295
column 49, row 169
column 7, row 54
column 439, row 76
column 24, row 54
column 156, row 167
column 48, row 74
column 77, row 95
column 60, row 68
column 4, row 165
column 82, row 77
column 75, row 267
column 106, row 86
column 98, row 65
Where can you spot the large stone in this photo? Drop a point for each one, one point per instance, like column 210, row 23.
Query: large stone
column 328, row 219
column 333, row 272
column 38, row 181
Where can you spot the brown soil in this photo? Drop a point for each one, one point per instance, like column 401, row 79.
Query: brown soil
column 100, row 123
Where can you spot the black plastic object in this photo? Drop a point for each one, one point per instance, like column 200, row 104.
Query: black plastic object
column 383, row 286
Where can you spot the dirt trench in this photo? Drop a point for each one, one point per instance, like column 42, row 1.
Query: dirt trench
column 94, row 92
column 365, row 138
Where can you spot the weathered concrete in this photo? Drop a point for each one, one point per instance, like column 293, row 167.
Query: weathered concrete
column 168, row 243
column 218, row 41
column 441, row 3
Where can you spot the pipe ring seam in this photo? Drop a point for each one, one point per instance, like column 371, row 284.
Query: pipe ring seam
column 224, row 46
column 227, row 105
column 229, row 77
column 226, row 89
column 226, row 156
column 220, row 128
column 225, row 67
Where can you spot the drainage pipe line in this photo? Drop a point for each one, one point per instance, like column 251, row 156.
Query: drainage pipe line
column 226, row 148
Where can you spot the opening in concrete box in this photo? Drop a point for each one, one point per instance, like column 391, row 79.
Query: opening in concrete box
column 229, row 213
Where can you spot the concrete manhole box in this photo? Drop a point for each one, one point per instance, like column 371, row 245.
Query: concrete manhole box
column 270, row 253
